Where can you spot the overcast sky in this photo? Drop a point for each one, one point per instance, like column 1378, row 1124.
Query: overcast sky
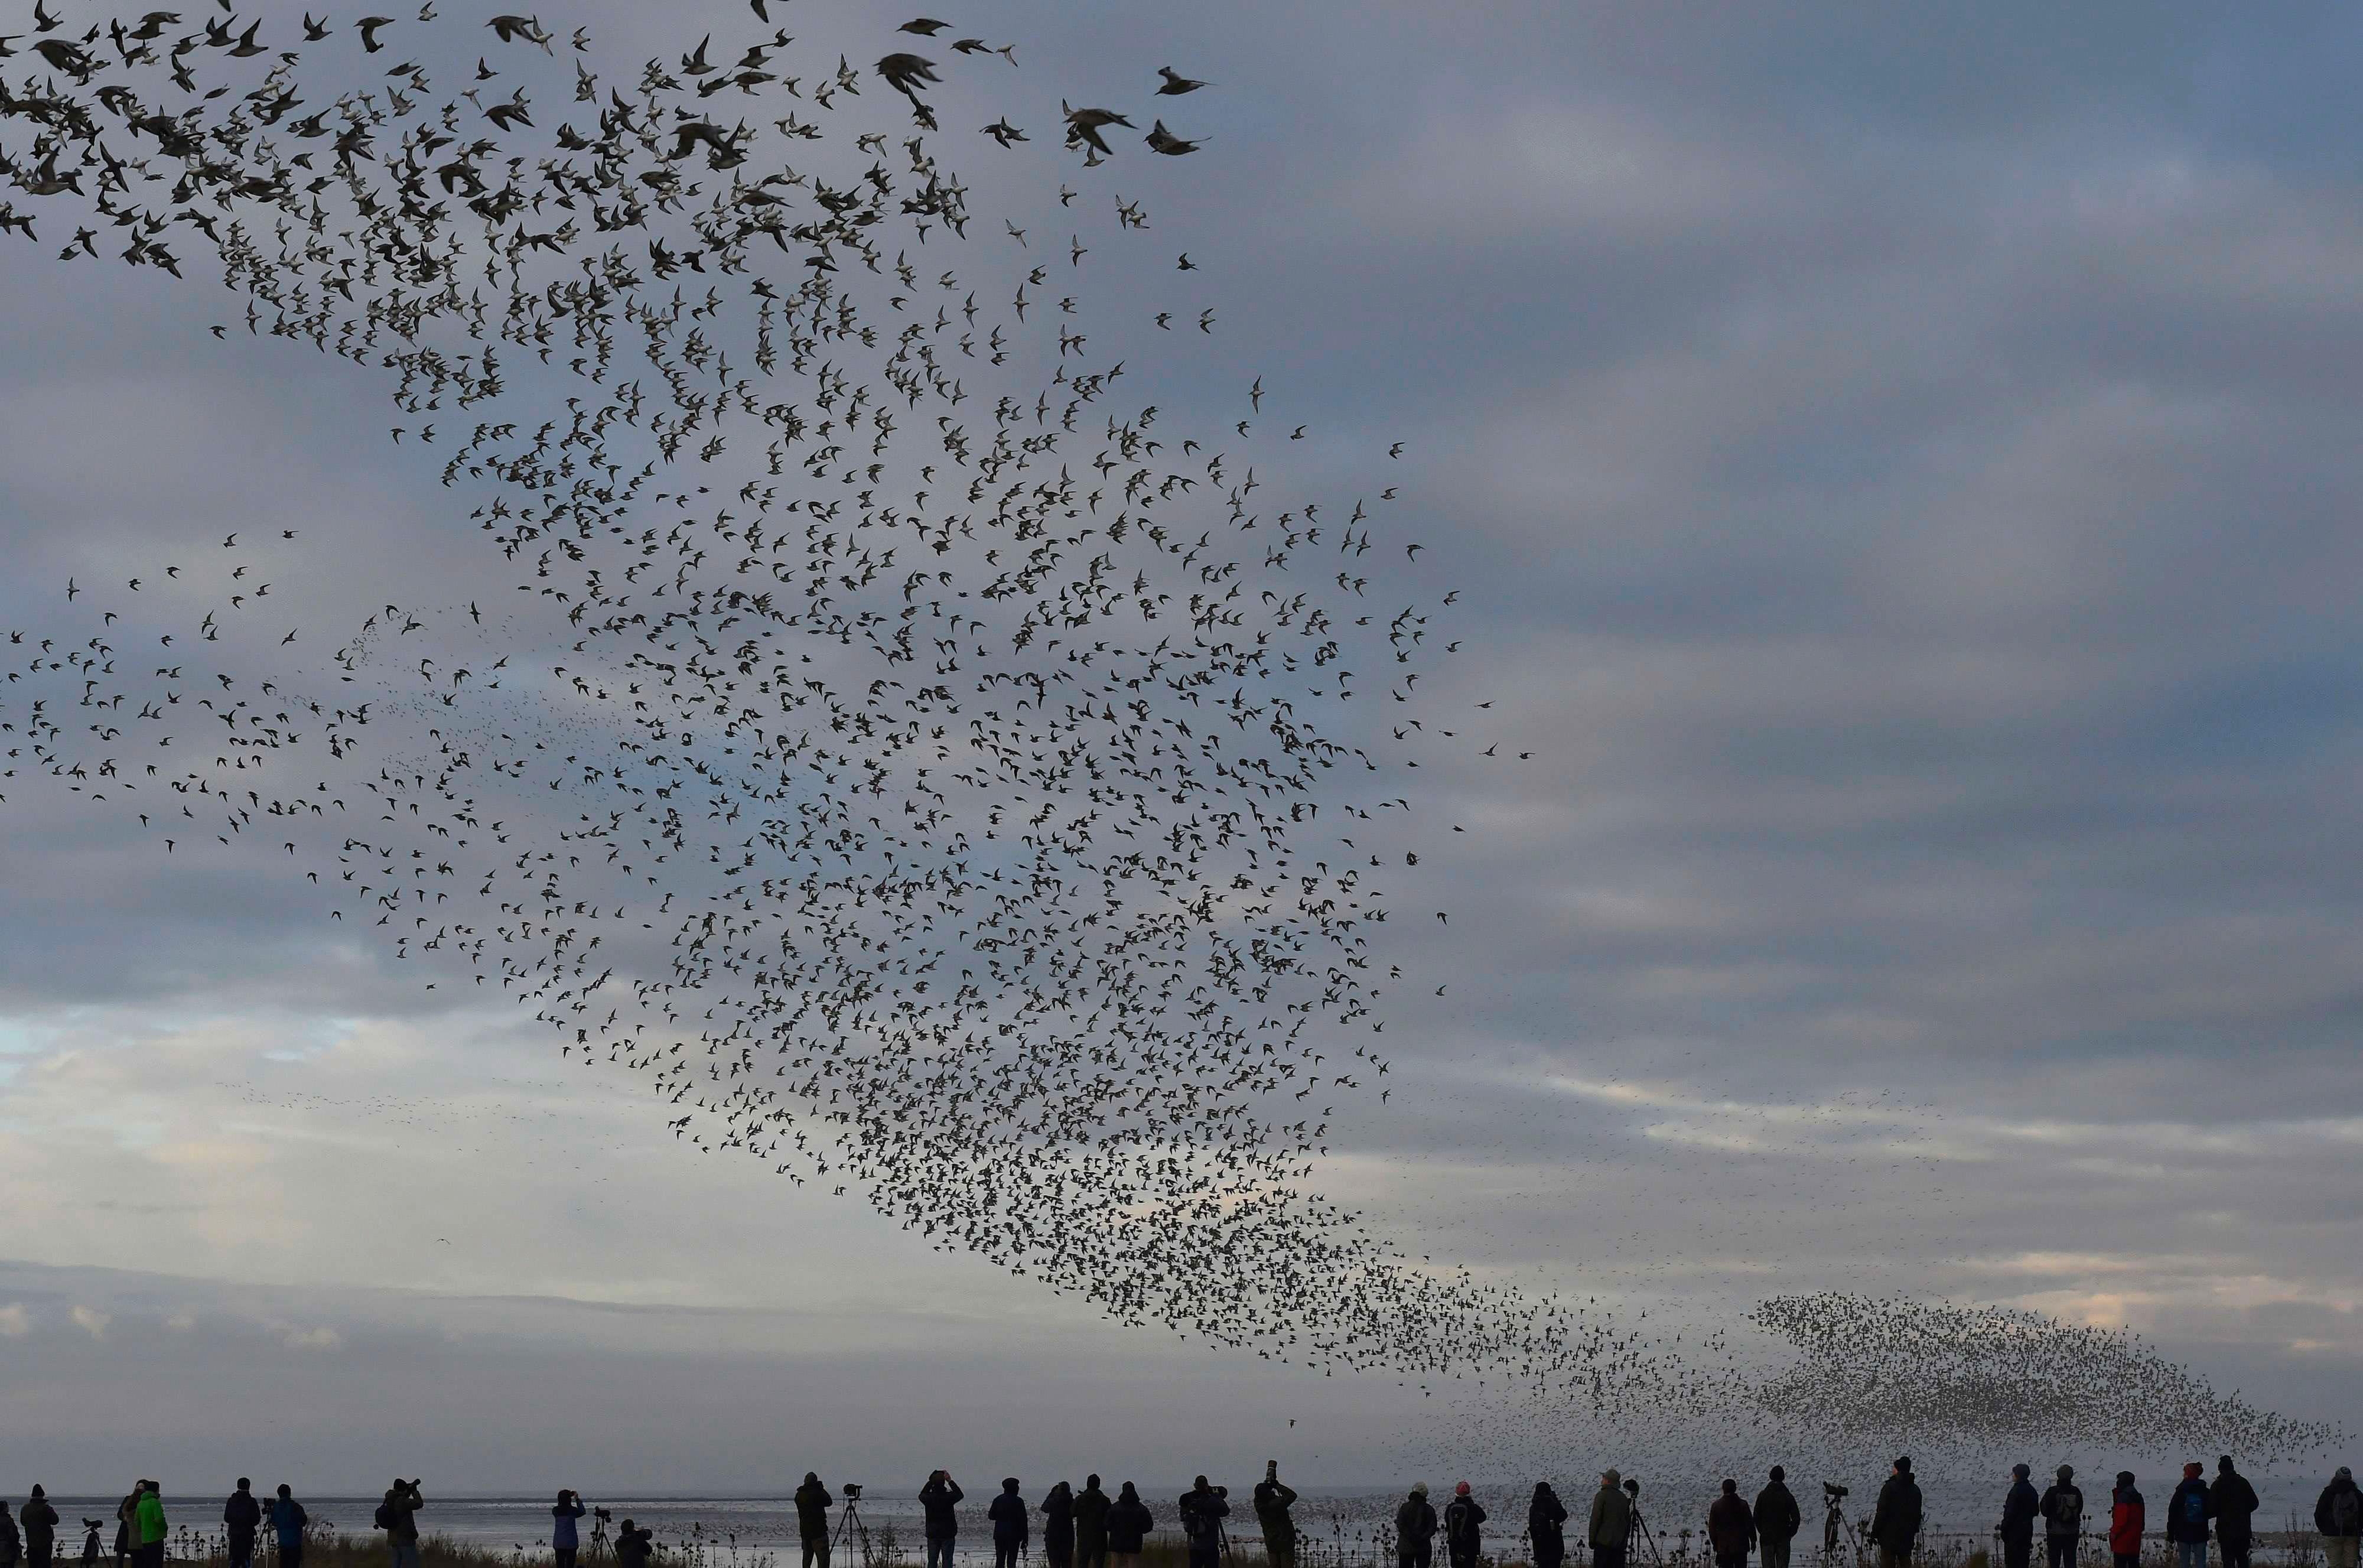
column 1899, row 464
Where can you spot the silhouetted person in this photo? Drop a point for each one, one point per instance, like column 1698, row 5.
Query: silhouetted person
column 1546, row 1526
column 813, row 1503
column 2020, row 1506
column 2186, row 1513
column 1010, row 1525
column 288, row 1521
column 241, row 1517
column 2236, row 1512
column 1204, row 1508
column 1091, row 1525
column 1464, row 1528
column 2338, row 1518
column 1895, row 1522
column 2128, row 1522
column 1730, row 1527
column 940, row 1497
column 2063, row 1517
column 1059, row 1527
column 127, row 1524
column 398, row 1517
column 1778, row 1520
column 148, row 1524
column 1128, row 1524
column 634, row 1546
column 565, row 1535
column 1415, row 1529
column 40, row 1522
column 1611, row 1526
column 12, row 1542
column 1273, row 1499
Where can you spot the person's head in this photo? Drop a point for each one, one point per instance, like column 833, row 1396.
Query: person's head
column 2124, row 1477
column 1778, row 1473
column 1272, row 1469
column 2192, row 1471
column 2224, row 1464
column 934, row 1475
column 1201, row 1484
column 2067, row 1473
column 155, row 1487
column 628, row 1527
column 1419, row 1488
column 1009, row 1482
column 1903, row 1465
column 37, row 1490
column 1093, row 1479
column 283, row 1490
column 1128, row 1493
column 1542, row 1490
column 244, row 1484
column 2345, row 1477
column 812, row 1477
column 1461, row 1490
column 1609, row 1479
column 2020, row 1472
column 1730, row 1487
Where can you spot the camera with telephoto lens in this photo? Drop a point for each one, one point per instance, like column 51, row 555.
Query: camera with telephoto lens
column 852, row 1489
column 603, row 1514
column 1832, row 1490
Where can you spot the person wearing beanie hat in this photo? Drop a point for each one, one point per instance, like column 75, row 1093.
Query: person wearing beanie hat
column 2063, row 1517
column 2235, row 1510
column 1464, row 1521
column 40, row 1522
column 1416, row 1528
column 1778, row 1520
column 2020, row 1509
column 1895, row 1522
column 2338, row 1516
column 2128, row 1518
column 1611, row 1528
column 1730, row 1528
column 2186, row 1513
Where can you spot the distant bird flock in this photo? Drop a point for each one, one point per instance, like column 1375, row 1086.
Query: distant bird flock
column 872, row 724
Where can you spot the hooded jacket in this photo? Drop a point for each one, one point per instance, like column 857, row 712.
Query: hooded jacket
column 1059, row 1516
column 941, row 1500
column 1730, row 1527
column 1778, row 1517
column 1273, row 1499
column 1011, row 1523
column 288, row 1518
column 812, row 1511
column 2063, row 1509
column 1201, row 1508
column 2020, row 1506
column 2236, row 1504
column 242, row 1514
column 1546, row 1518
column 402, row 1504
column 2187, row 1511
column 1464, row 1521
column 40, row 1522
column 2128, row 1520
column 2339, row 1510
column 1896, row 1523
column 1128, row 1521
column 1414, row 1520
column 1612, row 1518
column 147, row 1519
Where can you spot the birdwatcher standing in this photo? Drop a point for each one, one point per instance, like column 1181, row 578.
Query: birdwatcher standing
column 1730, row 1527
column 2063, row 1517
column 1059, row 1527
column 1416, row 1528
column 1273, row 1499
column 1011, row 1526
column 241, row 1517
column 1091, row 1525
column 397, row 1515
column 2020, row 1506
column 40, row 1522
column 2186, row 1513
column 1611, row 1522
column 1464, row 1528
column 126, row 1523
column 1778, row 1520
column 940, row 1497
column 2338, row 1518
column 2128, row 1521
column 12, row 1543
column 1204, row 1508
column 1128, row 1524
column 634, row 1545
column 148, row 1524
column 288, row 1522
column 2236, row 1504
column 565, row 1535
column 1546, row 1526
column 813, row 1503
column 1895, row 1522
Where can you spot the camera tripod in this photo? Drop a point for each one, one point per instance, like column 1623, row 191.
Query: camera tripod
column 850, row 1519
column 1833, row 1523
column 1641, row 1528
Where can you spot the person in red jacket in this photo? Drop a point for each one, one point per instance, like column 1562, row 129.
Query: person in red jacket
column 2127, row 1521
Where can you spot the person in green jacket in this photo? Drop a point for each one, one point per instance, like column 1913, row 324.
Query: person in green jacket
column 148, row 1525
column 1611, row 1522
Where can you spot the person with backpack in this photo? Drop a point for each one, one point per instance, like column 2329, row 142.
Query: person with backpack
column 397, row 1515
column 1204, row 1508
column 1895, row 1522
column 813, row 1503
column 2338, row 1518
column 1464, row 1528
column 2020, row 1509
column 288, row 1522
column 940, row 1499
column 2128, row 1519
column 1091, row 1525
column 1778, row 1519
column 148, row 1523
column 1546, row 1527
column 40, row 1522
column 1273, row 1497
column 1611, row 1526
column 2236, row 1508
column 1011, row 1526
column 241, row 1517
column 2186, row 1513
column 1730, row 1527
column 565, row 1535
column 2063, row 1517
column 1059, row 1527
column 1416, row 1528
column 1128, row 1524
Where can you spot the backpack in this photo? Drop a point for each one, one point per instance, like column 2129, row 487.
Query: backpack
column 384, row 1517
column 2067, row 1510
column 2194, row 1508
column 2346, row 1511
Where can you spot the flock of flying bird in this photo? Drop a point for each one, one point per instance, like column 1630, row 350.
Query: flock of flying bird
column 928, row 771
